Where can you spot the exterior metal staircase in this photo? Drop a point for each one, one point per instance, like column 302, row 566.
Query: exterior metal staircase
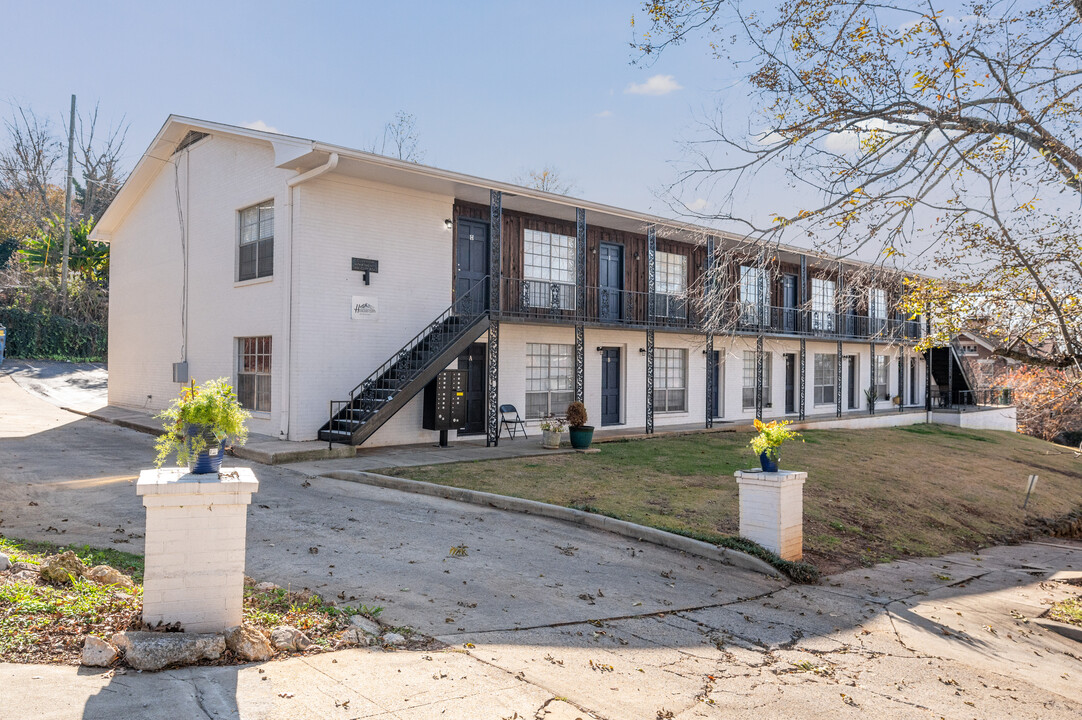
column 950, row 379
column 379, row 396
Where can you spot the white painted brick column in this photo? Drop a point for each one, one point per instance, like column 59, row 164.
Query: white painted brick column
column 772, row 510
column 195, row 542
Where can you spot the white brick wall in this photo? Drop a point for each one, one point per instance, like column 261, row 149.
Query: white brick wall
column 772, row 511
column 195, row 544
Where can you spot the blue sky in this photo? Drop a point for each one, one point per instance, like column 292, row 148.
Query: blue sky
column 498, row 88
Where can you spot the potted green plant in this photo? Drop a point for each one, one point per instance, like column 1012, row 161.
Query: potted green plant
column 770, row 437
column 551, row 429
column 199, row 424
column 581, row 434
column 871, row 395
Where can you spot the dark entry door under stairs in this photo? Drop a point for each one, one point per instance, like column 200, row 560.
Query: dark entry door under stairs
column 610, row 386
column 851, row 388
column 473, row 361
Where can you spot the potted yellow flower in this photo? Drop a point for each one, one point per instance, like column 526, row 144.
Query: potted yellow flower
column 770, row 437
column 199, row 424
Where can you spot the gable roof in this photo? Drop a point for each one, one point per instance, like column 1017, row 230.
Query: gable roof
column 302, row 154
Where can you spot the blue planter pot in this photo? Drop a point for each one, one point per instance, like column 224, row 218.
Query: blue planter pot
column 768, row 464
column 208, row 461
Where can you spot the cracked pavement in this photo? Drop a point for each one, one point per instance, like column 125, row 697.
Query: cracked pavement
column 543, row 619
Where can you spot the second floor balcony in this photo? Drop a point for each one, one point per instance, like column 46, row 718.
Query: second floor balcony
column 562, row 303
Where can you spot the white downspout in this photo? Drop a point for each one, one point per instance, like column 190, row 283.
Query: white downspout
column 331, row 164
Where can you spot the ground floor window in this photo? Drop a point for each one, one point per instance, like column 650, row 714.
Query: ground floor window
column 826, row 378
column 882, row 377
column 254, row 373
column 550, row 380
column 670, row 380
column 748, row 391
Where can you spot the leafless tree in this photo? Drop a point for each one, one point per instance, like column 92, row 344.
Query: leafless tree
column 28, row 172
column 548, row 179
column 400, row 139
column 99, row 159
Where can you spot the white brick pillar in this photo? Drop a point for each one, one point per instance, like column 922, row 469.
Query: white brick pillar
column 772, row 510
column 195, row 541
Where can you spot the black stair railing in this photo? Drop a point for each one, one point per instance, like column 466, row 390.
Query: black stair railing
column 370, row 395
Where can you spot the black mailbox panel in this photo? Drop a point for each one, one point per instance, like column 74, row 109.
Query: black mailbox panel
column 445, row 401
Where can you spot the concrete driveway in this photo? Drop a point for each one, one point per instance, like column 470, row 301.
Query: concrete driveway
column 542, row 618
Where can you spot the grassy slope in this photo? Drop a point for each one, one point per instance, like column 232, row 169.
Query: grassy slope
column 871, row 495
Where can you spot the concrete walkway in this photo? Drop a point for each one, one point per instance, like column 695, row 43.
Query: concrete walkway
column 542, row 618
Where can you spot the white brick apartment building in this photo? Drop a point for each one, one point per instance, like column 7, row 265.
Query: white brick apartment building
column 233, row 253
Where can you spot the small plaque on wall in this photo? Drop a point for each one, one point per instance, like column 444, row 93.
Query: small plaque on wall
column 365, row 307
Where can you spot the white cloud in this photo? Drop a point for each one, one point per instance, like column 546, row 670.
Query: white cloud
column 697, row 205
column 262, row 127
column 604, row 114
column 657, row 85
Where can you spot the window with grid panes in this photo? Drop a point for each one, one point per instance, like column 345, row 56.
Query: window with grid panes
column 826, row 378
column 823, row 304
column 750, row 307
column 549, row 259
column 877, row 303
column 670, row 380
column 882, row 377
column 254, row 373
column 256, row 242
column 670, row 284
column 747, row 395
column 550, row 381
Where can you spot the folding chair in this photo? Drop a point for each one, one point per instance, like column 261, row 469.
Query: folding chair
column 511, row 424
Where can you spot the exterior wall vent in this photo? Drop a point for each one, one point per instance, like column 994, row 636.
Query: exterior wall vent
column 190, row 139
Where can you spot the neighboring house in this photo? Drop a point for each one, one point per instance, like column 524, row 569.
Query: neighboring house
column 978, row 352
column 300, row 270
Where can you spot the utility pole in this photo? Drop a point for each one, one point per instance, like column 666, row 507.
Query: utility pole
column 67, row 207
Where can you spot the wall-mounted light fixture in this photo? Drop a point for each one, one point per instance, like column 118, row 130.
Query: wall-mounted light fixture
column 636, row 256
column 642, row 351
column 599, row 348
column 448, row 223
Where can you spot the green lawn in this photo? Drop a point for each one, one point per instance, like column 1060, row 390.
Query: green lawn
column 871, row 495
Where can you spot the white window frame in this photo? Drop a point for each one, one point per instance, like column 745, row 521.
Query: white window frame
column 253, row 357
column 747, row 395
column 877, row 303
column 256, row 235
column 550, row 372
column 882, row 377
column 670, row 284
column 549, row 258
column 823, row 304
column 670, row 380
column 749, row 295
column 825, row 378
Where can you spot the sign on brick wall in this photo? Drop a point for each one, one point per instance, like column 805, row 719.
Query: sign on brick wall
column 365, row 307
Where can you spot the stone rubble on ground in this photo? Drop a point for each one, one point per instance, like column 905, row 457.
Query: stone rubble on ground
column 287, row 637
column 154, row 650
column 247, row 643
column 105, row 575
column 369, row 626
column 354, row 636
column 393, row 638
column 266, row 587
column 98, row 652
column 25, row 576
column 62, row 568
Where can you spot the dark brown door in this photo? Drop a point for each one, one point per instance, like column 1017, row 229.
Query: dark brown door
column 473, row 362
column 471, row 263
column 610, row 386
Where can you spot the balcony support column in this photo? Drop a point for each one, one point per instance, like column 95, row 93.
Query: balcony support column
column 871, row 401
column 492, row 384
column 802, row 301
column 838, row 383
column 759, row 376
column 580, row 363
column 803, row 375
column 901, row 377
column 649, row 382
column 580, row 261
column 950, row 377
column 710, row 389
column 927, row 367
column 651, row 281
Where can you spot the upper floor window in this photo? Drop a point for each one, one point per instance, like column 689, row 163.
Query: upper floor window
column 969, row 349
column 752, row 281
column 670, row 284
column 550, row 262
column 256, row 242
column 877, row 303
column 822, row 304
